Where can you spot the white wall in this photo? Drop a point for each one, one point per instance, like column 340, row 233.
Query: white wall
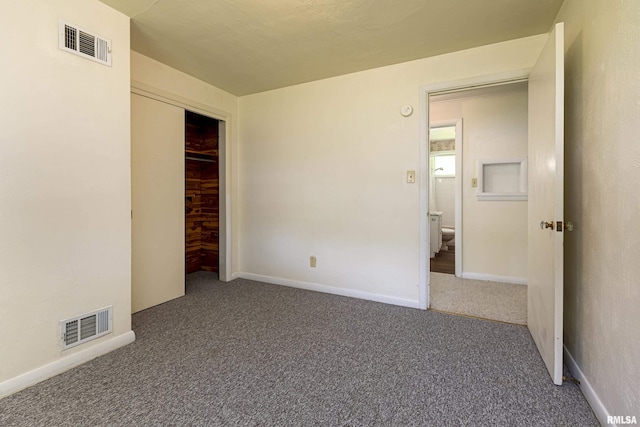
column 494, row 232
column 602, row 171
column 446, row 200
column 323, row 168
column 195, row 94
column 64, row 181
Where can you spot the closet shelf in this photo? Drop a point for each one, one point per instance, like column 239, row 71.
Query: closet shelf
column 200, row 159
column 210, row 156
column 202, row 153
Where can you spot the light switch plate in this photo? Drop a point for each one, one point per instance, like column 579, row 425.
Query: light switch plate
column 411, row 177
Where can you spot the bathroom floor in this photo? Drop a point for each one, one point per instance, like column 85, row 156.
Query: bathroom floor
column 445, row 260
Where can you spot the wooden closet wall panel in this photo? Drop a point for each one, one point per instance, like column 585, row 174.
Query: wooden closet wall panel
column 193, row 223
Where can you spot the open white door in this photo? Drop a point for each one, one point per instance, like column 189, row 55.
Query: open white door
column 546, row 202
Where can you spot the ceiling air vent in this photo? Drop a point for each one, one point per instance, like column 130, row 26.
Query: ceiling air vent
column 84, row 43
column 86, row 327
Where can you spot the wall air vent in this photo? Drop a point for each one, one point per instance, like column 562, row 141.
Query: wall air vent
column 84, row 43
column 86, row 327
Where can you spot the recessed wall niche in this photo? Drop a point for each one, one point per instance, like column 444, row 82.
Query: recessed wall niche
column 502, row 179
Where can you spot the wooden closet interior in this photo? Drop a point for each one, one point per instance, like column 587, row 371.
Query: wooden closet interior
column 201, row 193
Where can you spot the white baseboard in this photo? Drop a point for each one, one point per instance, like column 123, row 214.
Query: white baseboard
column 588, row 391
column 52, row 369
column 331, row 290
column 495, row 278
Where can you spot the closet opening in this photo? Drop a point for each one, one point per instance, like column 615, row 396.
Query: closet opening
column 202, row 191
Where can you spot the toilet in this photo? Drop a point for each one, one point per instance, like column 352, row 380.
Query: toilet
column 448, row 234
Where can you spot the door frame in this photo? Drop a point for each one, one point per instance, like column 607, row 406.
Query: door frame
column 425, row 92
column 224, row 163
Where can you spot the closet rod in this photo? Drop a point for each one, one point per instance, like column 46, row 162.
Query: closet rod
column 200, row 160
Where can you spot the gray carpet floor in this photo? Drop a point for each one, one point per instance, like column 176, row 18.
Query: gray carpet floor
column 504, row 302
column 246, row 353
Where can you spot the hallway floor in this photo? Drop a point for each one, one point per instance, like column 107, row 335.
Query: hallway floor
column 504, row 302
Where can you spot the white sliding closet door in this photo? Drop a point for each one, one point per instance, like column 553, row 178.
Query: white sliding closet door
column 157, row 199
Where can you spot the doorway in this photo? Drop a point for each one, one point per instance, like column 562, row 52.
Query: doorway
column 488, row 241
column 445, row 191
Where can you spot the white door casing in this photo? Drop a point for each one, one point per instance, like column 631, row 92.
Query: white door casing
column 546, row 202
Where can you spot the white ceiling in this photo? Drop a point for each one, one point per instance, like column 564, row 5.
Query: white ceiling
column 249, row 46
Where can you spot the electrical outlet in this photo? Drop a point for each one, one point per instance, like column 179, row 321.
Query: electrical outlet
column 411, row 177
column 312, row 262
column 474, row 182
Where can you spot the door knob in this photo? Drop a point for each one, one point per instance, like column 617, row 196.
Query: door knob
column 568, row 225
column 544, row 224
